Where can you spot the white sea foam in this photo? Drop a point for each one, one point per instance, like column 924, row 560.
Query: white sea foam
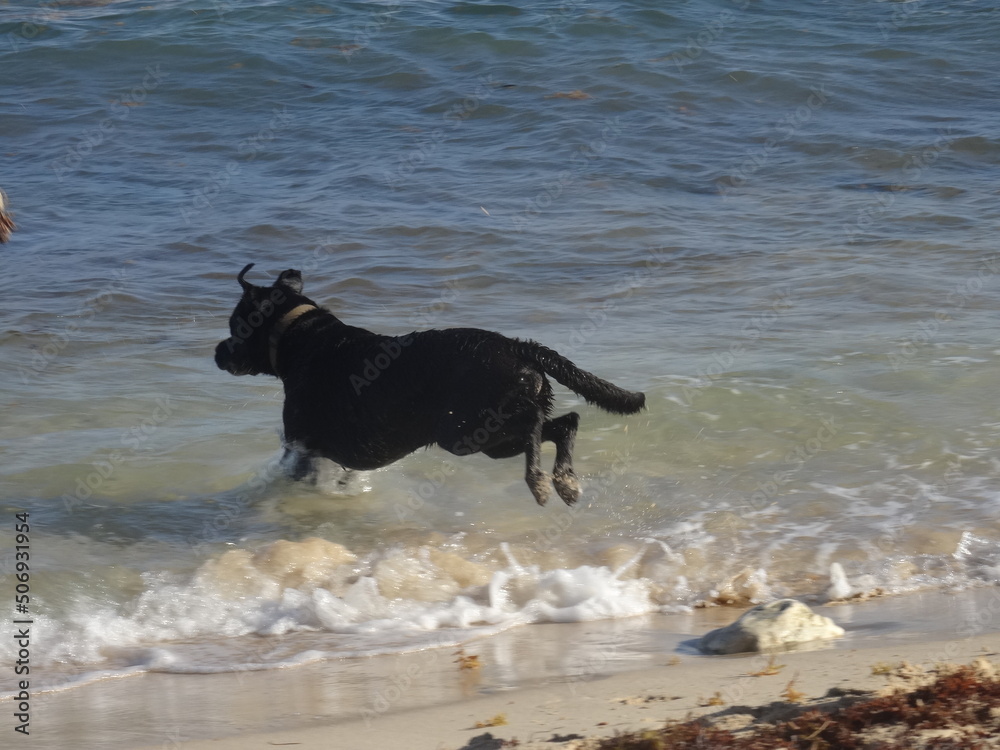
column 289, row 603
column 839, row 588
column 316, row 587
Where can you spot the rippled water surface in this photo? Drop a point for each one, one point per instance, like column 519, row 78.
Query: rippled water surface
column 777, row 219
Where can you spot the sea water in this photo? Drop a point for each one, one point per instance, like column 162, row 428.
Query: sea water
column 777, row 219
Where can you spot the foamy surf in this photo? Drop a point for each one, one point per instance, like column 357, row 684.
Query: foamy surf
column 289, row 603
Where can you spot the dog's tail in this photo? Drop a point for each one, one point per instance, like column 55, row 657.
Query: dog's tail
column 594, row 390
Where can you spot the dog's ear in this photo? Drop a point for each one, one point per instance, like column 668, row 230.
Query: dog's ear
column 247, row 286
column 291, row 279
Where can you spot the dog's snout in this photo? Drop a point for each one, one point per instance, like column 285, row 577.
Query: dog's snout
column 230, row 355
column 221, row 356
column 225, row 359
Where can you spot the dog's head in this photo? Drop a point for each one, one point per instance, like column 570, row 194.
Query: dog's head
column 260, row 313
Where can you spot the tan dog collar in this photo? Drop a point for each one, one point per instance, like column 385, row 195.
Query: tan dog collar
column 283, row 325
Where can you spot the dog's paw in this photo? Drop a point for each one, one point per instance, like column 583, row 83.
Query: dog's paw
column 567, row 486
column 299, row 465
column 539, row 486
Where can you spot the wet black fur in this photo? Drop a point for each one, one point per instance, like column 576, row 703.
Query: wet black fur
column 364, row 400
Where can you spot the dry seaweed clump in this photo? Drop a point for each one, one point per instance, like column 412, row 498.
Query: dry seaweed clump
column 957, row 710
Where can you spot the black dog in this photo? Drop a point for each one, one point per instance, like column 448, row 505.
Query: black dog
column 364, row 400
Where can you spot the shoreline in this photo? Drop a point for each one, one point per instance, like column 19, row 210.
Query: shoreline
column 539, row 718
column 549, row 684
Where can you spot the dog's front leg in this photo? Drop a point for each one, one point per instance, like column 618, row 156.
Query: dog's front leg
column 299, row 464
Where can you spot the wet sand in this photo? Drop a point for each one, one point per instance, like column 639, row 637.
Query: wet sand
column 543, row 685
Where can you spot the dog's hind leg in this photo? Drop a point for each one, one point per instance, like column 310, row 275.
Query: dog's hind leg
column 538, row 481
column 562, row 432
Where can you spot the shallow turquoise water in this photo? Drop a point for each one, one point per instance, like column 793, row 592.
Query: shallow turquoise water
column 777, row 220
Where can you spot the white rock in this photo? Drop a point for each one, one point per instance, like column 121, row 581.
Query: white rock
column 768, row 626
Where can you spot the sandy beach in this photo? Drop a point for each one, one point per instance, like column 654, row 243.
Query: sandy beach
column 543, row 686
